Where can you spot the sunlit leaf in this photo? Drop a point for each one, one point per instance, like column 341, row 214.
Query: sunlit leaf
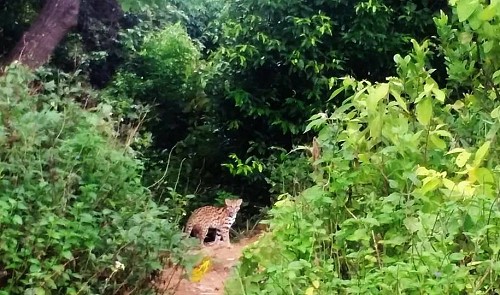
column 488, row 12
column 424, row 111
column 465, row 8
column 481, row 153
column 462, row 159
column 430, row 184
column 439, row 94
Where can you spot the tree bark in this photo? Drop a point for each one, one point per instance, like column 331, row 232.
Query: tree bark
column 37, row 44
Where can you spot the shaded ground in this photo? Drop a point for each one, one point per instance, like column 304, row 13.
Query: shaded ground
column 212, row 283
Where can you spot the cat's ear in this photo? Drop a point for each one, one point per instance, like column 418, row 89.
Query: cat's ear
column 239, row 201
column 227, row 202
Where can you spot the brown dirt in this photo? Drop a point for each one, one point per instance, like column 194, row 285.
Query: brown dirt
column 212, row 282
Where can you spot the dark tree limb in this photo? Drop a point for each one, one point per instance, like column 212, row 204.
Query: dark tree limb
column 37, row 44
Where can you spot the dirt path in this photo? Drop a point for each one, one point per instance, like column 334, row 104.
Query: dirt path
column 212, row 282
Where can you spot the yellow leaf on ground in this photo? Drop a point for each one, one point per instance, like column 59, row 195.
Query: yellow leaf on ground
column 201, row 269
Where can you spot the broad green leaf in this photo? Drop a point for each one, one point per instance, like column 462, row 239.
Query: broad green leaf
column 375, row 126
column 315, row 284
column 488, row 13
column 487, row 47
column 465, row 8
column 67, row 255
column 424, row 111
column 381, row 91
column 412, row 224
column 465, row 189
column 455, row 150
column 481, row 175
column 496, row 77
column 495, row 113
column 443, row 133
column 17, row 219
column 320, row 121
column 359, row 234
column 34, row 291
column 481, row 153
column 449, row 184
column 456, row 256
column 422, row 171
column 439, row 94
column 438, row 142
column 397, row 240
column 458, row 105
column 462, row 159
column 474, row 22
column 399, row 100
column 336, row 92
column 430, row 183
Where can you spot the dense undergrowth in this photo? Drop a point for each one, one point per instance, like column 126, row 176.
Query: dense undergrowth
column 74, row 215
column 406, row 199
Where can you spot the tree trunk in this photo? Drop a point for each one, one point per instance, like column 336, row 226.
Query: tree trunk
column 38, row 43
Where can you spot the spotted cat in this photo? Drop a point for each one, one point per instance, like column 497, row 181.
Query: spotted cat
column 220, row 218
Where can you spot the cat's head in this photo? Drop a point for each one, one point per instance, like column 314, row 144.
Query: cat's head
column 233, row 205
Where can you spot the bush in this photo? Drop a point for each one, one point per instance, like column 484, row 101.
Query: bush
column 164, row 78
column 74, row 217
column 407, row 198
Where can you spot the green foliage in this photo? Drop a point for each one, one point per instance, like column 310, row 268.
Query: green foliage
column 165, row 74
column 288, row 173
column 406, row 196
column 160, row 91
column 74, row 218
column 238, row 167
column 277, row 58
column 203, row 20
column 172, row 59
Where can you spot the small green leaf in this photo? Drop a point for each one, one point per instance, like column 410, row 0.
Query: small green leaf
column 17, row 219
column 67, row 255
column 336, row 92
column 359, row 234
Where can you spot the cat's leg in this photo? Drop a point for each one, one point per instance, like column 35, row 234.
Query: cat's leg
column 202, row 234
